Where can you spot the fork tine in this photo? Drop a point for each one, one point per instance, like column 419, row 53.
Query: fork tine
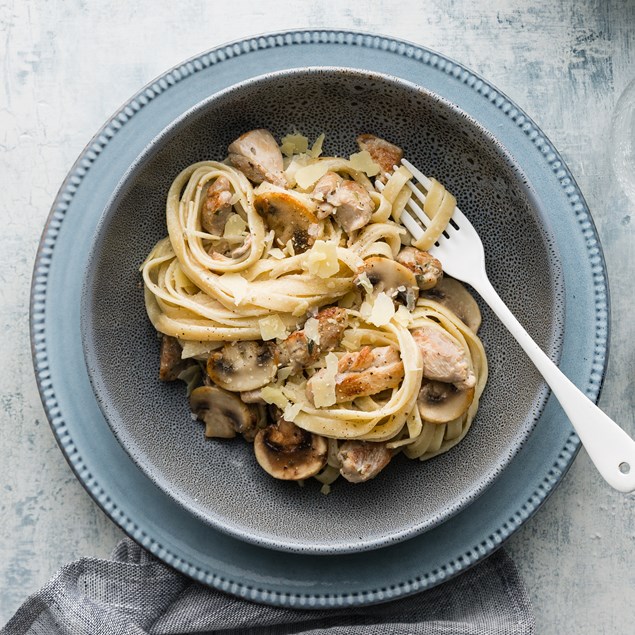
column 422, row 178
column 420, row 214
column 411, row 225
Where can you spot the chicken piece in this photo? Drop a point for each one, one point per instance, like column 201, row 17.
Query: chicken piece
column 217, row 207
column 170, row 362
column 257, row 155
column 362, row 460
column 384, row 154
column 300, row 351
column 348, row 201
column 427, row 268
column 363, row 373
column 443, row 358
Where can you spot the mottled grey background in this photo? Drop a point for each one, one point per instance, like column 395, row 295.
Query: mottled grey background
column 68, row 64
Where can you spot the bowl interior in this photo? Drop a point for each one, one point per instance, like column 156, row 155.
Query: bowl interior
column 220, row 480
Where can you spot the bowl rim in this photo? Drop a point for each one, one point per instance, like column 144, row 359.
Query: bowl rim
column 354, row 544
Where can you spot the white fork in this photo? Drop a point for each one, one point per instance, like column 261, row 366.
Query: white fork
column 461, row 253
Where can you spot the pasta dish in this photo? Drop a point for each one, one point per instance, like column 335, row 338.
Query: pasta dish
column 301, row 316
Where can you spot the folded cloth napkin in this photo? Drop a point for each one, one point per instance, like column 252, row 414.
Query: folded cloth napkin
column 136, row 594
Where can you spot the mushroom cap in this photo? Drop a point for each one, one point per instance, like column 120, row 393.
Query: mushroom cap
column 391, row 277
column 290, row 215
column 243, row 366
column 224, row 413
column 439, row 402
column 288, row 452
column 453, row 295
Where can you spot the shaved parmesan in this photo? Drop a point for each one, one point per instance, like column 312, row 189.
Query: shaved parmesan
column 364, row 282
column 316, row 149
column 195, row 349
column 272, row 327
column 363, row 162
column 312, row 330
column 365, row 309
column 324, row 390
column 291, row 411
column 306, row 176
column 403, row 316
column 274, row 396
column 284, row 373
column 234, row 227
column 276, row 253
column 294, row 144
column 383, row 310
column 321, row 259
column 237, row 286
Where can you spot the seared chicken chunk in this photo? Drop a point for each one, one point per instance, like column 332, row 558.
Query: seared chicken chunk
column 170, row 362
column 348, row 201
column 427, row 268
column 257, row 155
column 301, row 351
column 362, row 460
column 443, row 358
column 384, row 154
column 366, row 372
column 217, row 207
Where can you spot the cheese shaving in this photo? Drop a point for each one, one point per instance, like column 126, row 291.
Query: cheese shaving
column 292, row 411
column 294, row 144
column 306, row 176
column 234, row 227
column 273, row 395
column 363, row 162
column 272, row 327
column 312, row 330
column 316, row 149
column 403, row 316
column 324, row 391
column 383, row 310
column 191, row 348
column 364, row 282
column 321, row 259
column 237, row 285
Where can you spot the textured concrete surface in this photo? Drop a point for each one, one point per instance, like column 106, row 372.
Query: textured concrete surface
column 68, row 64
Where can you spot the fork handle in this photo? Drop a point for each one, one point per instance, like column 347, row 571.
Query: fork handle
column 609, row 447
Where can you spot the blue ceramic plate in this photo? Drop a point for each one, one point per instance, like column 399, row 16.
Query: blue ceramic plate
column 153, row 518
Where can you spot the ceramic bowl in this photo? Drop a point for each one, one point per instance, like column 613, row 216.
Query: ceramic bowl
column 219, row 481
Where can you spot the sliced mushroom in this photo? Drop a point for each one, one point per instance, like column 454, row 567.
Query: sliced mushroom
column 224, row 414
column 362, row 460
column 257, row 155
column 440, row 402
column 290, row 214
column 170, row 363
column 383, row 153
column 243, row 366
column 368, row 371
column 427, row 269
column 452, row 294
column 391, row 277
column 288, row 452
column 301, row 351
column 444, row 359
column 216, row 207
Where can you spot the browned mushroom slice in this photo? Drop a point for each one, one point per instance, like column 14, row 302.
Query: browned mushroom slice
column 289, row 214
column 452, row 294
column 257, row 155
column 440, row 402
column 216, row 206
column 300, row 350
column 391, row 277
column 224, row 413
column 444, row 359
column 427, row 268
column 383, row 153
column 362, row 460
column 170, row 363
column 243, row 366
column 360, row 374
column 290, row 453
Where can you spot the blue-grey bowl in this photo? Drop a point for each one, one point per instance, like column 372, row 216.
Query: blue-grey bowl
column 219, row 481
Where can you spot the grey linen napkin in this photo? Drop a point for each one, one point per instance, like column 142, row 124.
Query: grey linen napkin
column 136, row 594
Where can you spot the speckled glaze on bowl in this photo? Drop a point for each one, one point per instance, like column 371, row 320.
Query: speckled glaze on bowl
column 220, row 481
